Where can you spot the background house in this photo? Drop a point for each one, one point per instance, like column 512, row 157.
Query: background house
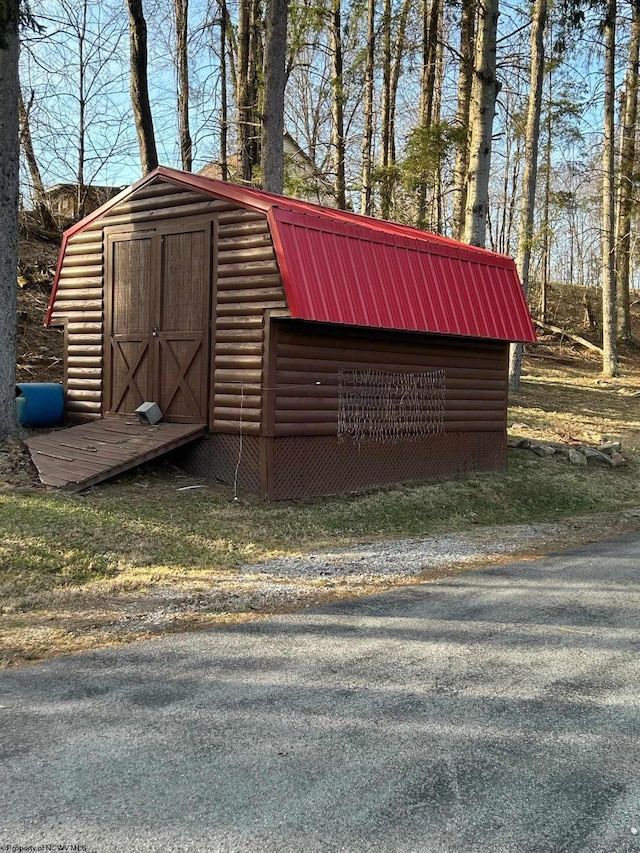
column 302, row 177
column 70, row 202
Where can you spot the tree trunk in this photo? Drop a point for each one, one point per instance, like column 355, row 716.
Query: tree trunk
column 429, row 60
column 501, row 213
column 394, row 79
column 224, row 109
column 231, row 44
column 385, row 130
column 609, row 339
column 483, row 99
column 511, row 205
column 627, row 168
column 436, row 218
column 242, row 95
column 40, row 199
column 256, row 66
column 275, row 52
column 366, row 195
column 465, row 79
column 181, row 9
column 139, row 86
column 430, row 17
column 546, row 255
column 338, row 142
column 9, row 160
column 391, row 70
column 82, row 115
column 246, row 91
column 529, row 179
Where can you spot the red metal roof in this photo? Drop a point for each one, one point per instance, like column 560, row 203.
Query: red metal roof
column 339, row 267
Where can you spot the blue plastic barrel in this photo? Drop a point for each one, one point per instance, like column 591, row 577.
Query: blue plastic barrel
column 39, row 403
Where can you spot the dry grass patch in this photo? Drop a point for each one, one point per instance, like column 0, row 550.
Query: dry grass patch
column 570, row 401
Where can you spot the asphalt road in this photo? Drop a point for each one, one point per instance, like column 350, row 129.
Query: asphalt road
column 495, row 711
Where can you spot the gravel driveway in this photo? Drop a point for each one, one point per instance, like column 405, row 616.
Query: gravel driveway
column 295, row 582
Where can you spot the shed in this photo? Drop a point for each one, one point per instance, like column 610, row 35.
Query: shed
column 323, row 351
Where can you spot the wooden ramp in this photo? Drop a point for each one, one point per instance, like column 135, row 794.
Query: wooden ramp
column 84, row 455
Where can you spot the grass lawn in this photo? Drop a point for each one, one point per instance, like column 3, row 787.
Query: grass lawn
column 75, row 568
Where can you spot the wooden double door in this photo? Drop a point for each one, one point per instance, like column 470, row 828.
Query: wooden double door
column 158, row 305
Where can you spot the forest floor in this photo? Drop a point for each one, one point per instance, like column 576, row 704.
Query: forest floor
column 157, row 551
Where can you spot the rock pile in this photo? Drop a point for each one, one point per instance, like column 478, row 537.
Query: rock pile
column 607, row 453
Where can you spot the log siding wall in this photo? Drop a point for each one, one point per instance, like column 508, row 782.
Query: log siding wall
column 79, row 305
column 246, row 283
column 304, row 456
column 306, row 354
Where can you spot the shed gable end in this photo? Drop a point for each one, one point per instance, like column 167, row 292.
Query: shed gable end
column 245, row 281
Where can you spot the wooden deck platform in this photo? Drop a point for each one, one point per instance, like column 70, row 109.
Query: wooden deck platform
column 81, row 456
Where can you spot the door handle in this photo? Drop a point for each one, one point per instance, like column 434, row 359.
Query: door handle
column 155, row 332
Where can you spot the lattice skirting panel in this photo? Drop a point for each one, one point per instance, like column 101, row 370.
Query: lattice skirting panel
column 322, row 465
column 215, row 458
column 309, row 466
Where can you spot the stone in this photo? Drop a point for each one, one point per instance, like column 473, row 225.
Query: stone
column 519, row 426
column 515, row 441
column 595, row 455
column 542, row 449
column 617, row 459
column 576, row 458
column 610, row 446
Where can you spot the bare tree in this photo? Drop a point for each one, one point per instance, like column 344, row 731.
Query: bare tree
column 81, row 33
column 181, row 11
column 627, row 169
column 503, row 206
column 366, row 199
column 465, row 79
column 546, row 201
column 392, row 56
column 398, row 55
column 431, row 16
column 275, row 52
column 609, row 338
column 140, row 87
column 9, row 160
column 532, row 136
column 246, row 87
column 224, row 111
column 243, row 93
column 483, row 98
column 76, row 119
column 41, row 206
column 338, row 141
column 385, row 189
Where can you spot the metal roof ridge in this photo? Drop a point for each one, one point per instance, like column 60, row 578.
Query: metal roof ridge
column 267, row 200
column 412, row 239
